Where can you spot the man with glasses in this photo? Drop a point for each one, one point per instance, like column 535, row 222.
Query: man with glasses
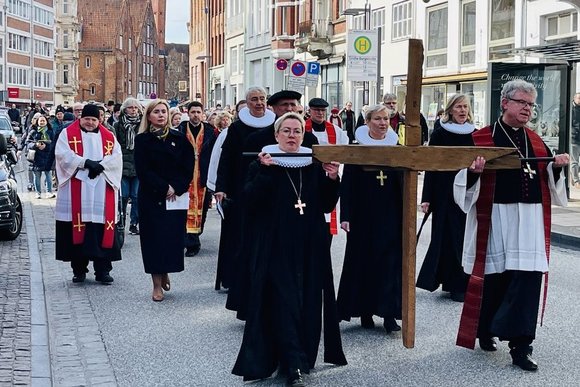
column 507, row 234
column 398, row 119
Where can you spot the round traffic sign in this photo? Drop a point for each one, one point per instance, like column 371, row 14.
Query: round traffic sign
column 362, row 45
column 281, row 64
column 298, row 68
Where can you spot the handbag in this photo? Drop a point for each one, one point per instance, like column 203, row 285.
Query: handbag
column 30, row 155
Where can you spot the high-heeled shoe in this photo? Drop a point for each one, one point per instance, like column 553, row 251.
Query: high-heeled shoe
column 165, row 283
column 157, row 295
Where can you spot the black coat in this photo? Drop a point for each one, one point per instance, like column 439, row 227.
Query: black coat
column 442, row 264
column 204, row 157
column 371, row 282
column 42, row 158
column 160, row 164
column 290, row 267
column 128, row 154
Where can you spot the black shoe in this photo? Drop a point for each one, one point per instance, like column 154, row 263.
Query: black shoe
column 133, row 230
column 77, row 278
column 458, row 296
column 104, row 278
column 367, row 322
column 29, row 187
column 295, row 378
column 522, row 357
column 391, row 325
column 191, row 251
column 487, row 344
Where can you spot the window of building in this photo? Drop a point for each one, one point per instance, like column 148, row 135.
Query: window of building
column 120, row 42
column 130, row 66
column 468, row 32
column 148, row 31
column 378, row 20
column 18, row 76
column 65, row 74
column 43, row 80
column 501, row 28
column 1, row 73
column 358, row 22
column 332, row 80
column 19, row 8
column 234, row 60
column 65, row 38
column 66, row 7
column 129, row 87
column 1, row 47
column 130, row 48
column 1, row 18
column 43, row 16
column 88, row 62
column 241, row 64
column 436, row 36
column 18, row 42
column 92, row 89
column 43, row 48
column 561, row 26
column 402, row 20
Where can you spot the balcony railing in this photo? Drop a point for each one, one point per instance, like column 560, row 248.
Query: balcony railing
column 316, row 28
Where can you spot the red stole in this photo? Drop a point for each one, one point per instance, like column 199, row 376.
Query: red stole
column 472, row 306
column 331, row 133
column 75, row 142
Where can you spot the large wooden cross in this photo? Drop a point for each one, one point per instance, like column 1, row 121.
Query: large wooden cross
column 413, row 158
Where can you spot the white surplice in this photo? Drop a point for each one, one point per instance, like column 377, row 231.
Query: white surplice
column 92, row 190
column 516, row 235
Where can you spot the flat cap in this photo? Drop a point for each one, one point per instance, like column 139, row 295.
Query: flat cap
column 283, row 94
column 318, row 102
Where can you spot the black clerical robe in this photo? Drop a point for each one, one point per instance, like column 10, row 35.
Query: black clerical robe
column 442, row 264
column 371, row 282
column 291, row 272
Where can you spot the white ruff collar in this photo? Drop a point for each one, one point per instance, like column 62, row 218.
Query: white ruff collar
column 290, row 162
column 363, row 137
column 256, row 122
column 465, row 128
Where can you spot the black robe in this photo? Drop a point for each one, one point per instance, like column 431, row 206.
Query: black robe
column 442, row 264
column 371, row 280
column 159, row 164
column 291, row 272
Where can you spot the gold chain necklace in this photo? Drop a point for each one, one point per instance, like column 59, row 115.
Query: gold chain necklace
column 299, row 204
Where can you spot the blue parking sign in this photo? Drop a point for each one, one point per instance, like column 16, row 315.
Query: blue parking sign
column 313, row 68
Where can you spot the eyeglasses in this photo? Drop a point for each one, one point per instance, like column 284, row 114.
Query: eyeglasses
column 523, row 103
column 288, row 132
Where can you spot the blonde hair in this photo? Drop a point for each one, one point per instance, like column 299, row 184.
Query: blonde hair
column 145, row 124
column 223, row 114
column 288, row 116
column 375, row 109
column 173, row 112
column 455, row 98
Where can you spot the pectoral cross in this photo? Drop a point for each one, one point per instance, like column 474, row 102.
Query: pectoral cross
column 109, row 148
column 300, row 206
column 411, row 158
column 75, row 143
column 382, row 178
column 79, row 225
column 528, row 169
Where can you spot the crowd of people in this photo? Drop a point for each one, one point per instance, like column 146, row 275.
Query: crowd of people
column 280, row 209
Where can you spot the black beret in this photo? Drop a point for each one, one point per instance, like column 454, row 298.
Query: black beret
column 318, row 102
column 90, row 110
column 283, row 94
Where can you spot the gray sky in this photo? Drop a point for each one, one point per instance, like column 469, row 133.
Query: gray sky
column 176, row 19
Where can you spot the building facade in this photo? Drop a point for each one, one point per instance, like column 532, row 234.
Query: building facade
column 67, row 28
column 235, row 25
column 177, row 63
column 199, row 57
column 27, row 49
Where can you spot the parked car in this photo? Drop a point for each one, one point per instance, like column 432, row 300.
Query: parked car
column 10, row 204
column 6, row 127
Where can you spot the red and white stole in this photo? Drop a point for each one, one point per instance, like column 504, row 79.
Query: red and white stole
column 75, row 142
column 331, row 134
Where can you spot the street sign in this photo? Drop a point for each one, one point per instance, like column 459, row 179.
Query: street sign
column 298, row 68
column 281, row 64
column 362, row 55
column 312, row 73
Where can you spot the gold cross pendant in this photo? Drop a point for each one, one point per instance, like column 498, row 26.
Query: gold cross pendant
column 528, row 169
column 382, row 178
column 300, row 206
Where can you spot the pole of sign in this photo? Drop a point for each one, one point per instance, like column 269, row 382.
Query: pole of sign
column 379, row 44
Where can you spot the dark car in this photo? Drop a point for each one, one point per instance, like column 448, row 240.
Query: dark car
column 10, row 204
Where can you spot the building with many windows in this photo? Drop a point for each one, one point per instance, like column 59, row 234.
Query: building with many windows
column 27, row 50
column 67, row 34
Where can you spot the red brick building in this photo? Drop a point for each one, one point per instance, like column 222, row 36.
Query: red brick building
column 119, row 50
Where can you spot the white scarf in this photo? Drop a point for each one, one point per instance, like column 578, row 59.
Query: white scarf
column 290, row 162
column 363, row 137
column 256, row 122
column 452, row 127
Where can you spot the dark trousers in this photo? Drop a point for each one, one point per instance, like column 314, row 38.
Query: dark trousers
column 509, row 308
column 192, row 239
column 80, row 266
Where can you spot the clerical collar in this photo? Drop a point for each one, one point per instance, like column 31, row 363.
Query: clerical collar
column 256, row 122
column 198, row 126
column 290, row 162
column 363, row 137
column 465, row 128
column 92, row 131
column 318, row 127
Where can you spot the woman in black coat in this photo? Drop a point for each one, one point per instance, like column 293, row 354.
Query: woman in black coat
column 164, row 161
column 39, row 140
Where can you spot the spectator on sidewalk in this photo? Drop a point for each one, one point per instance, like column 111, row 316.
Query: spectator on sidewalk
column 40, row 142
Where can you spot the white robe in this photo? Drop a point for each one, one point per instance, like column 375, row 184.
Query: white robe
column 516, row 235
column 214, row 160
column 92, row 190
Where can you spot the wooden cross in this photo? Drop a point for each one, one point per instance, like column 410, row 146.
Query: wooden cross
column 413, row 158
column 300, row 206
column 382, row 178
column 528, row 169
column 75, row 142
column 79, row 225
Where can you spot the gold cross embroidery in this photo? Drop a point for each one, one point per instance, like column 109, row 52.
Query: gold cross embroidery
column 75, row 142
column 79, row 225
column 382, row 178
column 110, row 225
column 109, row 148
